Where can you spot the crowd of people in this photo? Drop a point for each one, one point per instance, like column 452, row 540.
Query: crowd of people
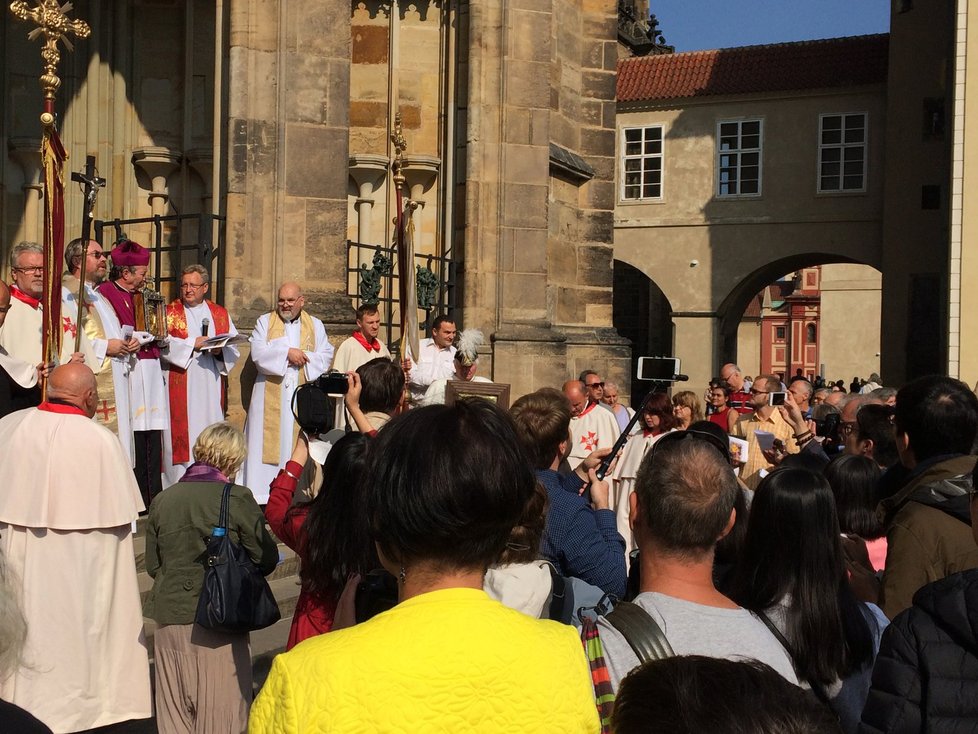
column 779, row 556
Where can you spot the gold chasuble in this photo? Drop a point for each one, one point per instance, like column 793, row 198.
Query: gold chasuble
column 92, row 326
column 270, row 449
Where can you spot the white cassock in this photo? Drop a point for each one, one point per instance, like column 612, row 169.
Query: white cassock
column 623, row 484
column 433, row 363
column 593, row 429
column 120, row 371
column 435, row 395
column 119, row 365
column 21, row 335
column 66, row 507
column 350, row 356
column 271, row 358
column 204, row 373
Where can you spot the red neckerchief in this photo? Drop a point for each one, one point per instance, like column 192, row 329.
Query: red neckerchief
column 24, row 298
column 63, row 408
column 646, row 432
column 373, row 346
column 591, row 406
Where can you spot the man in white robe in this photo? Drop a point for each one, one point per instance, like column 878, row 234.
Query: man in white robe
column 194, row 376
column 148, row 400
column 436, row 358
column 22, row 333
column 466, row 362
column 288, row 347
column 592, row 427
column 65, row 531
column 18, row 379
column 103, row 331
column 356, row 351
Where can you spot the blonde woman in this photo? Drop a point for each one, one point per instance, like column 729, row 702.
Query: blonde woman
column 687, row 408
column 203, row 677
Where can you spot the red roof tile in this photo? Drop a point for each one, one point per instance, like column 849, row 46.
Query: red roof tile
column 833, row 62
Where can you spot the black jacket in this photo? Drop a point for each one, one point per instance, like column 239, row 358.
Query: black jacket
column 926, row 674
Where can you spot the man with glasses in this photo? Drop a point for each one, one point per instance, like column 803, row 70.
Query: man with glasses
column 740, row 399
column 594, row 386
column 194, row 374
column 18, row 379
column 21, row 336
column 148, row 409
column 101, row 328
column 767, row 418
column 288, row 347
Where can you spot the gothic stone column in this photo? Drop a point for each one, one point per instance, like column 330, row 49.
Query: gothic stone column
column 289, row 79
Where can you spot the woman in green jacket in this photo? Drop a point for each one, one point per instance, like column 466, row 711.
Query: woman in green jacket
column 203, row 677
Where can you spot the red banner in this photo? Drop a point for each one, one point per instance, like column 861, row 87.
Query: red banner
column 53, row 157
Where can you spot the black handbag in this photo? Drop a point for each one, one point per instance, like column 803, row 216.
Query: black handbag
column 235, row 597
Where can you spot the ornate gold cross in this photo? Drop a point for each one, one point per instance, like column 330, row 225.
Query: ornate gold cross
column 54, row 25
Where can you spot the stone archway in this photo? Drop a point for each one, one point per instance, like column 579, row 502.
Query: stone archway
column 641, row 313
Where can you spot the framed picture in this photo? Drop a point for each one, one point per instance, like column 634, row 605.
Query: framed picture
column 494, row 391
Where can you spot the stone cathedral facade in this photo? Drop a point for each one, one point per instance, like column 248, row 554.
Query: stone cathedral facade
column 278, row 114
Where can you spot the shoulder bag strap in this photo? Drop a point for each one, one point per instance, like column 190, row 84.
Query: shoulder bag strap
column 222, row 518
column 559, row 608
column 640, row 630
column 817, row 688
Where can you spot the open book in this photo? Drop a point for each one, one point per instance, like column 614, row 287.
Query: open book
column 219, row 341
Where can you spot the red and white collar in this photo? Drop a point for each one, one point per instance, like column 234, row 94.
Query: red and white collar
column 24, row 298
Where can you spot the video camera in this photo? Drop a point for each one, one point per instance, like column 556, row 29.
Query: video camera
column 312, row 405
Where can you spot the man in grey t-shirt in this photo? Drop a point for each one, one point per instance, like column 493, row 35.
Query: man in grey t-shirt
column 682, row 505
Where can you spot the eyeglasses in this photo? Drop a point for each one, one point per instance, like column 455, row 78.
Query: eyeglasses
column 754, row 391
column 98, row 255
column 595, row 384
column 192, row 285
column 36, row 271
column 847, row 427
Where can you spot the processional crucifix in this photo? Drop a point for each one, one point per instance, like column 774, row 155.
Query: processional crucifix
column 54, row 25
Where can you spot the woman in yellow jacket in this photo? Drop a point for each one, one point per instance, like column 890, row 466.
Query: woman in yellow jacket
column 444, row 487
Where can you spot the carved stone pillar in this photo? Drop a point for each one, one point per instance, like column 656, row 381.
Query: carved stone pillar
column 157, row 164
column 27, row 153
column 368, row 173
column 201, row 160
column 420, row 172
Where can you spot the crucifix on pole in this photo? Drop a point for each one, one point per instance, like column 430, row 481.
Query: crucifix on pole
column 91, row 183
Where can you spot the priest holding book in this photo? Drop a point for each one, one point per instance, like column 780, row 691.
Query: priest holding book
column 195, row 368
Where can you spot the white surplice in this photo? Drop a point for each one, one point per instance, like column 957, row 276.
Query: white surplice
column 21, row 336
column 271, row 358
column 68, row 500
column 595, row 428
column 204, row 373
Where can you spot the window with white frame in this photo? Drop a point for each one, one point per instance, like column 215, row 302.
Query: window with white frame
column 642, row 163
column 739, row 158
column 842, row 152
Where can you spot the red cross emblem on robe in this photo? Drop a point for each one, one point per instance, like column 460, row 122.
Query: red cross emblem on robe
column 68, row 326
column 590, row 441
column 104, row 412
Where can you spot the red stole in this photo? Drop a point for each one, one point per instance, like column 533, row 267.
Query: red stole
column 24, row 298
column 176, row 326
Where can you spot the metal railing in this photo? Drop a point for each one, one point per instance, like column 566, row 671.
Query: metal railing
column 167, row 233
column 443, row 300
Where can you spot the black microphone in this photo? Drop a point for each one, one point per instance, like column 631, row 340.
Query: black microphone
column 205, row 326
column 676, row 378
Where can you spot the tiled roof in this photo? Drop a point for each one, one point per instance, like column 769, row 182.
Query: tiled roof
column 833, row 62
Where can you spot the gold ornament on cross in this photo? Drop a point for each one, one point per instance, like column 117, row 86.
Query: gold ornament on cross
column 54, row 25
column 400, row 145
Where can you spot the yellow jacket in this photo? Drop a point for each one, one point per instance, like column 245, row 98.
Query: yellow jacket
column 447, row 661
